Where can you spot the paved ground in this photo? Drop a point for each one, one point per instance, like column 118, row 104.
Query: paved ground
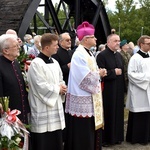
column 128, row 146
column 125, row 146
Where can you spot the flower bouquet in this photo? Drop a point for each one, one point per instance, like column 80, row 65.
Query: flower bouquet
column 12, row 131
column 25, row 60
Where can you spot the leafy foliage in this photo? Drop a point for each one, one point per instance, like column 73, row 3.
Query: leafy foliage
column 13, row 143
column 10, row 135
column 133, row 21
column 23, row 59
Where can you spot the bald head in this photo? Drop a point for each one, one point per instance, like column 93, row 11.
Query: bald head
column 113, row 42
column 11, row 31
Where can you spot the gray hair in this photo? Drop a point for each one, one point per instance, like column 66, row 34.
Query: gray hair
column 37, row 37
column 27, row 37
column 5, row 41
column 61, row 35
column 110, row 36
column 101, row 47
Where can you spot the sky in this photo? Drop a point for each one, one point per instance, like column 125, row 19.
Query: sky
column 111, row 4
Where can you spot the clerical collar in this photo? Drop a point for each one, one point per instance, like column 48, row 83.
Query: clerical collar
column 88, row 51
column 45, row 58
column 6, row 59
column 143, row 54
column 114, row 52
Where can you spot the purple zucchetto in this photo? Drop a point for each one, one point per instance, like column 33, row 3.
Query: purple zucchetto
column 85, row 29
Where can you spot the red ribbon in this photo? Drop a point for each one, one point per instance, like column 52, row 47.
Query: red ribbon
column 13, row 120
column 12, row 115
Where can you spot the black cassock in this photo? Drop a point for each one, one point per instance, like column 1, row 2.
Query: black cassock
column 63, row 57
column 113, row 97
column 12, row 84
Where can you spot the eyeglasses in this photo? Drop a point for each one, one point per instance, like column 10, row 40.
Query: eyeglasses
column 67, row 40
column 147, row 43
column 15, row 46
column 90, row 36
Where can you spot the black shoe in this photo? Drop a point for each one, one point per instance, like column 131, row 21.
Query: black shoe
column 143, row 144
column 119, row 142
column 105, row 144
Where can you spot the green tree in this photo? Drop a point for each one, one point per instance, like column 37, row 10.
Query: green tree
column 130, row 20
column 144, row 15
column 61, row 17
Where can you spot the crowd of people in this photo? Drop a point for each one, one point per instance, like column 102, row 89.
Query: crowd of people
column 76, row 96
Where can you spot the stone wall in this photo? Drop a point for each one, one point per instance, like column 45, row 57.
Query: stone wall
column 11, row 14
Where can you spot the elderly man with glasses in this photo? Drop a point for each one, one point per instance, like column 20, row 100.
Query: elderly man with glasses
column 63, row 56
column 11, row 80
column 83, row 100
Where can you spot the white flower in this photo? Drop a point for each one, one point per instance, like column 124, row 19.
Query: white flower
column 18, row 140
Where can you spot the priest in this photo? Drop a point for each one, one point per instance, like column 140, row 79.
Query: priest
column 83, row 101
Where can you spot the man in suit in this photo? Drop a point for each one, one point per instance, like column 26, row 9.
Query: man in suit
column 64, row 54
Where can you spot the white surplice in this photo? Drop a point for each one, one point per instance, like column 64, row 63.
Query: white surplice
column 84, row 87
column 44, row 98
column 138, row 98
